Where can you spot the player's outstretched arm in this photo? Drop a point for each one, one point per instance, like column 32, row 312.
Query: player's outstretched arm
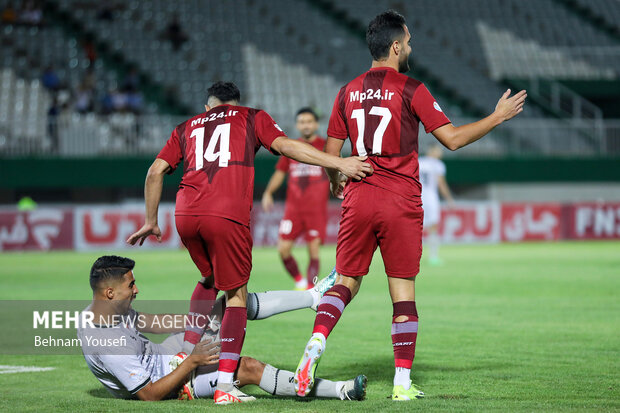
column 152, row 195
column 352, row 167
column 507, row 108
column 276, row 181
column 204, row 354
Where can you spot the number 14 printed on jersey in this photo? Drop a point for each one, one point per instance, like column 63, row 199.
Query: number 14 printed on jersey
column 220, row 133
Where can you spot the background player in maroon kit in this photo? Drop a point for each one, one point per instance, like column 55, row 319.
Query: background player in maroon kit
column 305, row 211
column 214, row 202
column 380, row 112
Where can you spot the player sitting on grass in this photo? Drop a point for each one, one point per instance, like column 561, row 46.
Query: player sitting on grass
column 134, row 367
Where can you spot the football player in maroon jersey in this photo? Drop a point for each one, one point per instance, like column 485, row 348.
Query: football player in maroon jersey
column 305, row 211
column 380, row 111
column 213, row 206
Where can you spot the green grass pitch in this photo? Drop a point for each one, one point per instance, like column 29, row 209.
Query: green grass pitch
column 526, row 327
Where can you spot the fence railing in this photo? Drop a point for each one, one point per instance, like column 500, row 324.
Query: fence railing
column 73, row 135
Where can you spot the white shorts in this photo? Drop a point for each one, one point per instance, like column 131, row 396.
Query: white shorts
column 432, row 210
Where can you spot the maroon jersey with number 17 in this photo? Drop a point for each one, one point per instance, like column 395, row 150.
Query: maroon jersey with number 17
column 218, row 149
column 308, row 186
column 380, row 112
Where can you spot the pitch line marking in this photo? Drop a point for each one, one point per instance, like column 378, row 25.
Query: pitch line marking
column 23, row 369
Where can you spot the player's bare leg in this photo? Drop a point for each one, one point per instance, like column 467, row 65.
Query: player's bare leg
column 404, row 335
column 328, row 313
column 232, row 333
column 314, row 249
column 285, row 247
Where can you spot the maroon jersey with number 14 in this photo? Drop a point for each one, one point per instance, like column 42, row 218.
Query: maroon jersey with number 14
column 380, row 112
column 218, row 149
column 308, row 186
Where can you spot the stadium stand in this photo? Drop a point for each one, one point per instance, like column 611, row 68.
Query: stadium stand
column 604, row 13
column 286, row 54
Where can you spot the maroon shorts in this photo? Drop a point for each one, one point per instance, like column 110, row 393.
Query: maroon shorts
column 218, row 246
column 312, row 225
column 371, row 217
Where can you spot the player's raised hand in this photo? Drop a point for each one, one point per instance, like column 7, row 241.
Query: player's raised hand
column 207, row 352
column 267, row 202
column 143, row 233
column 509, row 107
column 355, row 167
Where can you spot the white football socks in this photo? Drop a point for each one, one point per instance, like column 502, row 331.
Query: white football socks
column 402, row 377
column 301, row 284
column 264, row 305
column 280, row 383
column 225, row 377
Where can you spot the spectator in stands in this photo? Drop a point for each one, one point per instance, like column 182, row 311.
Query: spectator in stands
column 90, row 50
column 131, row 83
column 119, row 101
column 107, row 106
column 135, row 102
column 31, row 13
column 175, row 34
column 90, row 80
column 9, row 15
column 84, row 99
column 50, row 79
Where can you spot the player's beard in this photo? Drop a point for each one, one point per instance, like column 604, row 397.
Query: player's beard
column 403, row 65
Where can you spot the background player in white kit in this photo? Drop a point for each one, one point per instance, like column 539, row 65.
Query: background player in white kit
column 433, row 179
column 136, row 368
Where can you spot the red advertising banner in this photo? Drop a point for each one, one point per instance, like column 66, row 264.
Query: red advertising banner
column 107, row 227
column 470, row 223
column 42, row 229
column 592, row 220
column 531, row 222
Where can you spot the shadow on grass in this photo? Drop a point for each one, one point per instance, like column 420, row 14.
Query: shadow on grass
column 381, row 369
column 100, row 393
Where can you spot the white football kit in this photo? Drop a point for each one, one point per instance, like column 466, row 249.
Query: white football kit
column 430, row 170
column 125, row 361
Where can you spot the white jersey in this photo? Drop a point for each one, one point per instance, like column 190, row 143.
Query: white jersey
column 122, row 358
column 430, row 171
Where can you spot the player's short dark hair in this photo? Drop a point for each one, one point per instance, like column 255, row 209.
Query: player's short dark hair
column 109, row 267
column 382, row 31
column 224, row 92
column 309, row 110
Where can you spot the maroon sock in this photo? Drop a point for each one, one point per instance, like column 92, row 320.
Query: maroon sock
column 200, row 306
column 291, row 266
column 313, row 270
column 330, row 309
column 404, row 333
column 232, row 334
